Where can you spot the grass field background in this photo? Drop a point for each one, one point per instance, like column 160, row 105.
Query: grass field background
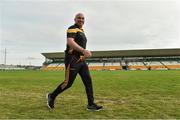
column 123, row 94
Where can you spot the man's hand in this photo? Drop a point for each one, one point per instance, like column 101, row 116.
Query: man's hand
column 87, row 53
column 75, row 46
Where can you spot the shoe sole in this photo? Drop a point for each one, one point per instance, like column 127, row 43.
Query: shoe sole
column 47, row 101
column 94, row 110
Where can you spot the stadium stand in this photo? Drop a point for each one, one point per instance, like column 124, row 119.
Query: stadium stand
column 104, row 66
column 53, row 66
column 145, row 59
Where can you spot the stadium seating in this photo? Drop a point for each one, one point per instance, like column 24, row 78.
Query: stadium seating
column 116, row 66
column 109, row 66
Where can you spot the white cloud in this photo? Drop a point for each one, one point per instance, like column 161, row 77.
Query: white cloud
column 32, row 27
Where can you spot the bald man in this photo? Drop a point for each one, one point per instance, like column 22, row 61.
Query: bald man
column 75, row 55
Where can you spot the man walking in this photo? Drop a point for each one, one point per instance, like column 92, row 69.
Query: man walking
column 75, row 55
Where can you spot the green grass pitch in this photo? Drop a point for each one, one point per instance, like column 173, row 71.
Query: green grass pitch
column 123, row 94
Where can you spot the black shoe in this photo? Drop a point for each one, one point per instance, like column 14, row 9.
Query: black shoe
column 94, row 107
column 50, row 101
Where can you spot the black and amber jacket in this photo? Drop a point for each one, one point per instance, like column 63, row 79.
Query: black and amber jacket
column 77, row 33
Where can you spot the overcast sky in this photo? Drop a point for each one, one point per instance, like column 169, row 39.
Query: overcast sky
column 31, row 27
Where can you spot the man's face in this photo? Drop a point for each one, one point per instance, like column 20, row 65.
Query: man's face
column 79, row 20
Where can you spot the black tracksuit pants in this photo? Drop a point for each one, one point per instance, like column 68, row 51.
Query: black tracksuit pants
column 73, row 67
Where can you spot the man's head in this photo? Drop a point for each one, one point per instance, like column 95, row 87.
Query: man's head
column 79, row 19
